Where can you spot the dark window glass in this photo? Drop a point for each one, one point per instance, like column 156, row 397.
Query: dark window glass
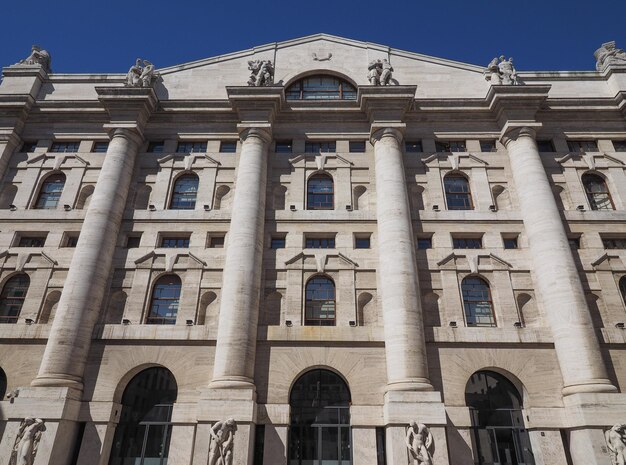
column 622, row 288
column 321, row 88
column 191, row 147
column 467, row 243
column 413, row 146
column 614, row 243
column 259, row 444
column 28, row 147
column 317, row 147
column 320, row 302
column 357, row 146
column 156, row 146
column 32, row 241
column 488, row 146
column 175, row 242
column 381, row 454
column 458, row 194
column 450, row 146
column 165, row 301
column 50, row 192
column 100, row 147
column 285, row 146
column 424, row 243
column 65, row 146
column 132, row 242
column 545, row 146
column 12, row 298
column 574, row 242
column 320, row 243
column 320, row 194
column 144, row 431
column 510, row 242
column 227, row 146
column 278, row 242
column 582, row 146
column 185, row 192
column 361, row 242
column 597, row 192
column 477, row 302
column 619, row 145
column 3, row 383
column 216, row 242
column 71, row 241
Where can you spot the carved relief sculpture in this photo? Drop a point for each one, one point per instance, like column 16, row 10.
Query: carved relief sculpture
column 262, row 73
column 37, row 56
column 379, row 72
column 502, row 72
column 222, row 442
column 609, row 55
column 27, row 441
column 419, row 440
column 141, row 76
column 616, row 442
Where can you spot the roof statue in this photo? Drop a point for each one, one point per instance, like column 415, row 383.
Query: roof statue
column 262, row 73
column 141, row 76
column 609, row 55
column 501, row 72
column 379, row 72
column 37, row 56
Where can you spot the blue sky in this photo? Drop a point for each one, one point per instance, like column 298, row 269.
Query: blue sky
column 106, row 36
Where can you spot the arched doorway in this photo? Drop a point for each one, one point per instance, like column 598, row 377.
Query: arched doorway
column 143, row 434
column 499, row 436
column 319, row 432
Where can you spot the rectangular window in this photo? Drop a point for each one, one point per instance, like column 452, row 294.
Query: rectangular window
column 259, row 444
column 424, row 243
column 175, row 242
column 317, row 147
column 381, row 453
column 614, row 242
column 278, row 242
column 284, row 146
column 362, row 242
column 71, row 240
column 619, row 145
column 156, row 146
column 582, row 146
column 574, row 242
column 100, row 147
column 488, row 146
column 216, row 242
column 413, row 146
column 545, row 146
column 132, row 242
column 450, row 146
column 320, row 242
column 31, row 241
column 191, row 147
column 28, row 147
column 59, row 147
column 357, row 146
column 467, row 242
column 510, row 242
column 227, row 146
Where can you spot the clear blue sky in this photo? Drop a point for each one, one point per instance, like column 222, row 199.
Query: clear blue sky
column 107, row 35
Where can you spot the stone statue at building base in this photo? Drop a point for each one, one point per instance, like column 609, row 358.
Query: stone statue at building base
column 141, row 76
column 222, row 442
column 420, row 443
column 27, row 441
column 609, row 55
column 616, row 442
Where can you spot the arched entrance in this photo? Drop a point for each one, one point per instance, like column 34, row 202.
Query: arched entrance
column 499, row 436
column 319, row 432
column 143, row 434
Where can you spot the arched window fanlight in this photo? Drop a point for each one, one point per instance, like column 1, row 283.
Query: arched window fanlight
column 12, row 298
column 477, row 302
column 458, row 194
column 165, row 301
column 50, row 192
column 185, row 192
column 320, row 302
column 320, row 193
column 322, row 87
column 597, row 192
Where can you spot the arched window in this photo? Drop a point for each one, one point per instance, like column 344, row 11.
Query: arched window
column 165, row 301
column 477, row 302
column 50, row 192
column 622, row 287
column 320, row 193
column 319, row 305
column 143, row 434
column 597, row 192
column 499, row 436
column 321, row 88
column 185, row 192
column 319, row 431
column 458, row 194
column 12, row 298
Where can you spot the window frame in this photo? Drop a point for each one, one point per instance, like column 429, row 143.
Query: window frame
column 54, row 194
column 283, row 144
column 163, row 320
column 8, row 301
column 177, row 197
column 319, row 205
column 227, row 144
column 593, row 196
column 310, row 304
column 191, row 146
column 467, row 302
column 468, row 195
column 459, row 241
column 298, row 91
column 70, row 146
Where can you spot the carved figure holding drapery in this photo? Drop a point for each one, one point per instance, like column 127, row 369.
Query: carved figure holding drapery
column 27, row 441
column 616, row 442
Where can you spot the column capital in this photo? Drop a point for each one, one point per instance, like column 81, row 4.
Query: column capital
column 516, row 105
column 256, row 106
column 263, row 132
column 511, row 133
column 386, row 103
column 395, row 130
column 128, row 107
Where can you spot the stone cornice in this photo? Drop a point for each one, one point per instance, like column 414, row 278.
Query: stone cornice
column 516, row 103
column 386, row 103
column 256, row 106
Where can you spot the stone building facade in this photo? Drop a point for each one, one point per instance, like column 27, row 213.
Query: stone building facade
column 323, row 240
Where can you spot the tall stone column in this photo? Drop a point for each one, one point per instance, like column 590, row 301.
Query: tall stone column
column 405, row 347
column 556, row 276
column 239, row 308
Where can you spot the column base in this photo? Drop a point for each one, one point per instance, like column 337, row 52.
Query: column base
column 410, row 384
column 58, row 380
column 232, row 382
column 595, row 385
